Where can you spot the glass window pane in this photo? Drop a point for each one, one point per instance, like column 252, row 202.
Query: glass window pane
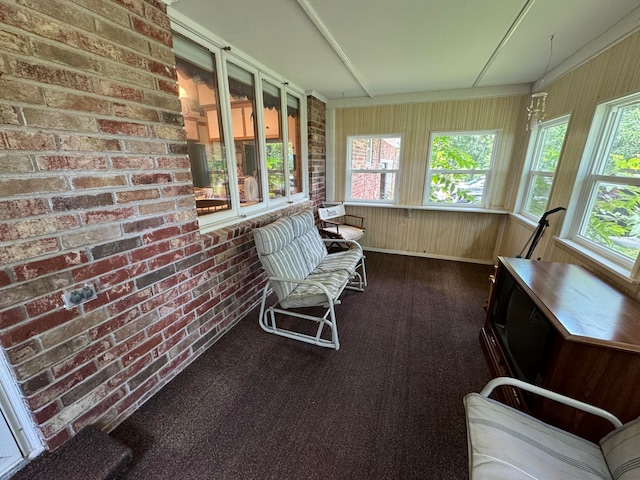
column 293, row 152
column 373, row 186
column 538, row 195
column 613, row 220
column 273, row 135
column 375, row 153
column 462, row 152
column 551, row 146
column 244, row 128
column 199, row 94
column 457, row 188
column 623, row 157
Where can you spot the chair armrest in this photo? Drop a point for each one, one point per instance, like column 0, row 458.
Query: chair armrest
column 361, row 219
column 514, row 382
column 308, row 282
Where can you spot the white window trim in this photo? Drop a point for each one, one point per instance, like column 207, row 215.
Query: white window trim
column 350, row 171
column 223, row 53
column 601, row 129
column 486, row 191
column 533, row 151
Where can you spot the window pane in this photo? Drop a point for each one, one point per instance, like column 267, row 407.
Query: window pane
column 293, row 131
column 457, row 188
column 614, row 218
column 375, row 153
column 198, row 91
column 373, row 186
column 538, row 195
column 551, row 146
column 244, row 127
column 623, row 157
column 462, row 152
column 273, row 135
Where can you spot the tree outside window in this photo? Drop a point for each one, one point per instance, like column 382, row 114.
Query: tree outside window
column 459, row 166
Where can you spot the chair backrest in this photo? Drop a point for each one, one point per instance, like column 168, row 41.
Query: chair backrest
column 333, row 211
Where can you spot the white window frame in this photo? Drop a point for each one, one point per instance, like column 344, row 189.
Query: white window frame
column 600, row 136
column 534, row 151
column 486, row 191
column 222, row 54
column 368, row 161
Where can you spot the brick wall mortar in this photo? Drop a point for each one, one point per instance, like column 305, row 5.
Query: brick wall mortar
column 95, row 187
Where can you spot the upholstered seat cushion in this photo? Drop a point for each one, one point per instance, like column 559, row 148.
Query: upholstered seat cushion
column 347, row 232
column 306, row 295
column 507, row 444
column 621, row 449
column 347, row 260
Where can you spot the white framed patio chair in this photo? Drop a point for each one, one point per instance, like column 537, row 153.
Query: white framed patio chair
column 505, row 443
column 337, row 224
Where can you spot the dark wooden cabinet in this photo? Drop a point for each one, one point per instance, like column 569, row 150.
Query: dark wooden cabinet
column 593, row 353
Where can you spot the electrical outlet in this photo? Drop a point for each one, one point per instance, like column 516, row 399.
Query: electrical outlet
column 77, row 297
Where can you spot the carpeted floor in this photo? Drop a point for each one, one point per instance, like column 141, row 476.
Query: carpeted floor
column 387, row 405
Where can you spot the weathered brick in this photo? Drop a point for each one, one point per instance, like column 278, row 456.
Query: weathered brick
column 130, row 301
column 142, row 225
column 137, row 195
column 111, row 89
column 22, row 208
column 80, row 358
column 178, row 148
column 99, row 267
column 65, row 56
column 117, row 127
column 89, row 384
column 173, row 162
column 56, row 440
column 161, row 53
column 104, row 216
column 62, row 11
column 135, row 112
column 89, row 237
column 152, row 31
column 36, row 383
column 18, row 252
column 132, row 162
column 14, row 42
column 51, row 75
column 156, row 207
column 141, row 147
column 111, row 325
column 49, row 357
column 141, row 377
column 18, row 140
column 168, row 132
column 102, row 413
column 123, row 275
column 141, row 350
column 86, row 143
column 46, row 413
column 4, row 281
column 169, row 86
column 108, row 10
column 39, row 268
column 74, row 101
column 150, row 178
column 59, row 120
column 9, row 115
column 17, row 230
column 162, row 101
column 72, row 328
column 81, row 202
column 53, row 391
column 14, row 163
column 99, row 182
column 113, row 248
column 139, row 394
column 122, row 36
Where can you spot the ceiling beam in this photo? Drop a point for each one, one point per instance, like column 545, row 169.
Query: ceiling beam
column 328, row 36
column 505, row 39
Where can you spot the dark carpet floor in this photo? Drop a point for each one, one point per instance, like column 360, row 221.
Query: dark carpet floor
column 387, row 405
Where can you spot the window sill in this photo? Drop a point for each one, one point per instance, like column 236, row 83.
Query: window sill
column 445, row 208
column 591, row 258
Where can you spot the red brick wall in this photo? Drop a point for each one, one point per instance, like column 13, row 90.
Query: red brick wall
column 316, row 119
column 95, row 187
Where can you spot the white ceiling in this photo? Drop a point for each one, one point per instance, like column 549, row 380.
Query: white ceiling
column 372, row 48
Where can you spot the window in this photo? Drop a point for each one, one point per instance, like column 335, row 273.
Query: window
column 545, row 145
column 458, row 168
column 373, row 164
column 606, row 209
column 244, row 134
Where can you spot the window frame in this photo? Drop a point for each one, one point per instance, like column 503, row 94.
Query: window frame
column 486, row 190
column 368, row 161
column 601, row 134
column 221, row 54
column 534, row 151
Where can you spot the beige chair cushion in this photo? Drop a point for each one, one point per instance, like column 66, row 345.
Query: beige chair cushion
column 621, row 449
column 505, row 443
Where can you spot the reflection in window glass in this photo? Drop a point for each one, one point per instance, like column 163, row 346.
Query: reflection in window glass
column 373, row 164
column 458, row 167
column 294, row 152
column 273, row 136
column 244, row 128
column 198, row 91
